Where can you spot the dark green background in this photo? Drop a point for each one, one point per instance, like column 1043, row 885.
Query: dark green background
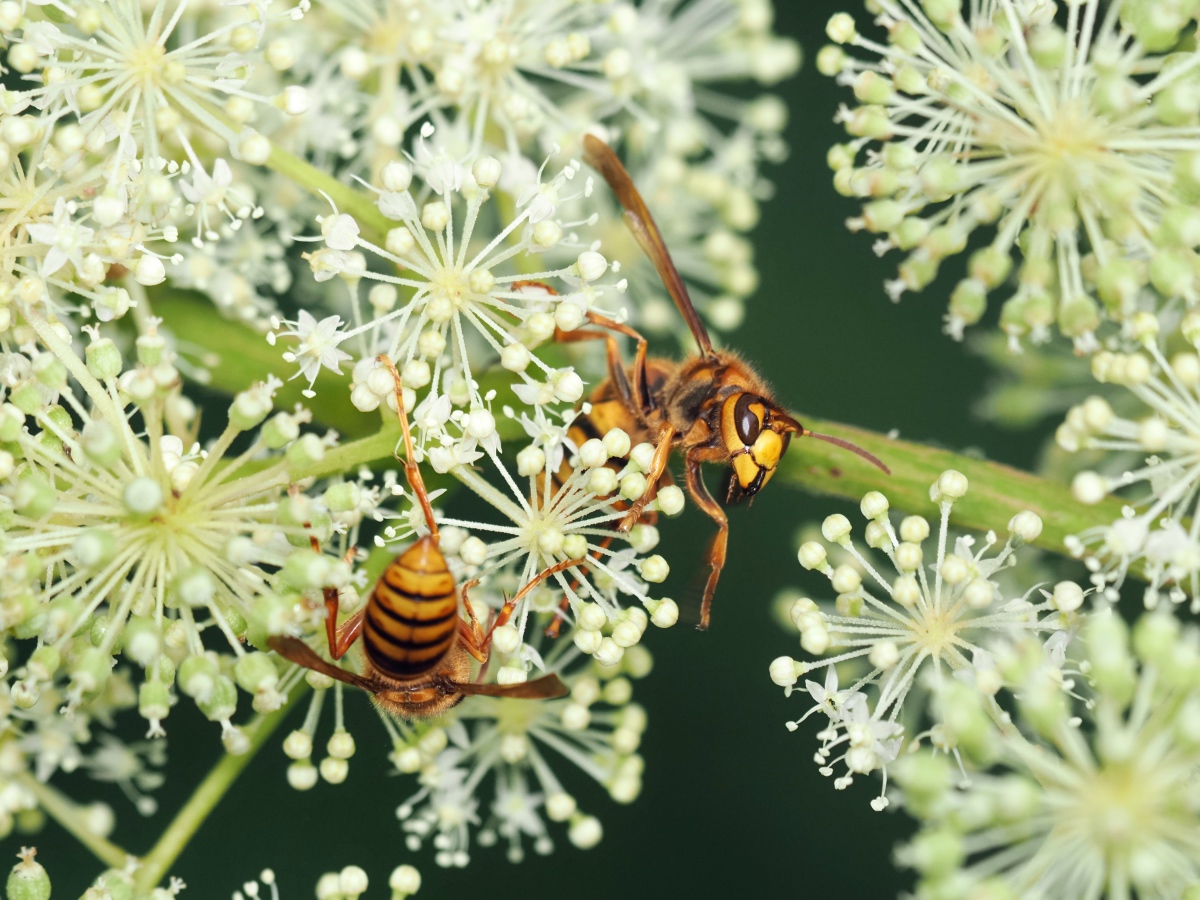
column 733, row 804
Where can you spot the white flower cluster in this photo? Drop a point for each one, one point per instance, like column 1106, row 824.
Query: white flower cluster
column 1068, row 132
column 486, row 771
column 905, row 637
column 1090, row 799
column 511, row 79
column 165, row 155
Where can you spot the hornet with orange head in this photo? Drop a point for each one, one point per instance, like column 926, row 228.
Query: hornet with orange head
column 712, row 407
column 416, row 647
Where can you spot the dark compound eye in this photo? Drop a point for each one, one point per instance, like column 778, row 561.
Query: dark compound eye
column 745, row 420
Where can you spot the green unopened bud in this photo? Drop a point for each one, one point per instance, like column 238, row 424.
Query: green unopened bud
column 28, row 880
column 925, row 777
column 154, row 699
column 11, row 422
column 255, row 671
column 965, row 724
column 250, row 407
column 1178, row 103
column 306, row 569
column 1118, row 283
column 883, row 215
column 871, row 87
column 90, row 670
column 831, row 59
column 94, row 548
column 968, row 302
column 1048, row 46
column 33, row 496
column 1179, row 227
column 990, row 265
column 343, row 497
column 44, row 662
column 197, row 676
column 194, row 587
column 1112, row 668
column 49, row 370
column 103, row 359
column 143, row 640
column 221, row 704
column 118, row 885
column 143, row 497
column 933, row 853
column 29, row 397
column 1078, row 315
column 1154, row 637
column 281, row 429
column 305, row 451
column 101, row 443
column 150, row 348
column 235, row 620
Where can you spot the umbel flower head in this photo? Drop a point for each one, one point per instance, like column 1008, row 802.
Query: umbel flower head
column 124, row 543
column 908, row 634
column 1085, row 800
column 1071, row 139
column 141, row 72
column 1154, row 451
column 459, row 302
column 497, row 769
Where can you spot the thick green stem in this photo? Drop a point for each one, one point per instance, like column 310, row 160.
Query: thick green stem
column 70, row 817
column 996, row 494
column 157, row 863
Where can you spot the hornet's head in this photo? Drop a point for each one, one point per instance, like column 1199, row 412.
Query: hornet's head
column 756, row 433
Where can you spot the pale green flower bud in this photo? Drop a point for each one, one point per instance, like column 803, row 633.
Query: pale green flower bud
column 221, row 703
column 1048, row 46
column 306, row 451
column 154, row 700
column 280, row 430
column 198, row 675
column 255, row 671
column 103, row 359
column 28, row 880
column 90, row 670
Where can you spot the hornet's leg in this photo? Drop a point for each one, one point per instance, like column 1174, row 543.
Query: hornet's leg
column 658, row 465
column 635, row 395
column 716, row 548
column 340, row 639
column 479, row 645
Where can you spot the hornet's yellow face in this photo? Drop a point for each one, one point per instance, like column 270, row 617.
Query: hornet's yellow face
column 756, row 435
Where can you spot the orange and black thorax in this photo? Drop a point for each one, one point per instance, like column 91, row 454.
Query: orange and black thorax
column 411, row 619
column 720, row 410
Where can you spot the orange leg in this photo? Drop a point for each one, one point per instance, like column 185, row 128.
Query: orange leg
column 411, row 470
column 720, row 540
column 477, row 645
column 637, row 395
column 339, row 639
column 553, row 629
column 658, row 465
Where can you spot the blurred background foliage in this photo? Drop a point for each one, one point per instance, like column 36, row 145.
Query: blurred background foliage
column 733, row 804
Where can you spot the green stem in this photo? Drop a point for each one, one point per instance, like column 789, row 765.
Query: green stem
column 69, row 816
column 156, row 864
column 997, row 492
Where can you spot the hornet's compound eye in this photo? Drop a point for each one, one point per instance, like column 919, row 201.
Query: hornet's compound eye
column 746, row 420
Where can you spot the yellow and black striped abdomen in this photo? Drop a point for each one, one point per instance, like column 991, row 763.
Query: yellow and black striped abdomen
column 411, row 620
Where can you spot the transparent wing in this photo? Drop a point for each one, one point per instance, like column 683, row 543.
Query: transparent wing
column 303, row 655
column 604, row 160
